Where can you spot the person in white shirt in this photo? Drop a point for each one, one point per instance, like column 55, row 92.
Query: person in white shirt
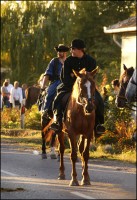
column 5, row 95
column 16, row 95
column 10, row 86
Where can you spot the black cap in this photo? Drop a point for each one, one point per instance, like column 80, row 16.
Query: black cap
column 78, row 44
column 61, row 48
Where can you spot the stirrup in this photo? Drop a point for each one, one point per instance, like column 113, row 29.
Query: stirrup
column 56, row 127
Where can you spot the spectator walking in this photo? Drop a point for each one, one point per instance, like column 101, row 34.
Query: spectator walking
column 24, row 87
column 5, row 95
column 10, row 86
column 16, row 95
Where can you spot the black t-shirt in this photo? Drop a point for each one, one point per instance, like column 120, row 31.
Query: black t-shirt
column 77, row 64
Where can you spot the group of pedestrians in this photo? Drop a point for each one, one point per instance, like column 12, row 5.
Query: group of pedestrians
column 12, row 94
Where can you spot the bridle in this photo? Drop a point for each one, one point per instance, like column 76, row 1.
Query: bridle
column 85, row 101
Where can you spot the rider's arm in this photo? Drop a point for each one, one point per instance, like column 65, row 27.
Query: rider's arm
column 45, row 81
column 48, row 74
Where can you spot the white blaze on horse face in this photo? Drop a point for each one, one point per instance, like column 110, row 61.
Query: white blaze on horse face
column 88, row 84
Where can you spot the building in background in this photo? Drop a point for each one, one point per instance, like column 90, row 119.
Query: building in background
column 124, row 35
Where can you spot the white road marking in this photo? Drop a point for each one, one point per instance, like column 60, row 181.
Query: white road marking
column 82, row 195
column 9, row 173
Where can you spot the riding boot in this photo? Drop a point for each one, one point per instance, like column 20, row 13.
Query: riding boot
column 57, row 124
column 100, row 129
column 45, row 117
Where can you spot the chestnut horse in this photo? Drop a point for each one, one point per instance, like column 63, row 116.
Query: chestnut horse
column 32, row 94
column 79, row 121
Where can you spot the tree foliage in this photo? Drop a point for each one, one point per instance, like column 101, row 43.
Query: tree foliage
column 31, row 29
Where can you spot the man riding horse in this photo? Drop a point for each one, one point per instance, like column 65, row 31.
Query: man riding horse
column 77, row 61
column 52, row 77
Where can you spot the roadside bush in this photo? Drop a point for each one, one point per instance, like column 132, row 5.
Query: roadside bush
column 126, row 143
column 10, row 118
column 33, row 118
column 108, row 138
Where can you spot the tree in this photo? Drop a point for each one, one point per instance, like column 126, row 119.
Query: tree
column 30, row 31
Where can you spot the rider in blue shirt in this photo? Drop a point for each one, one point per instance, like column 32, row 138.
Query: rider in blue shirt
column 52, row 76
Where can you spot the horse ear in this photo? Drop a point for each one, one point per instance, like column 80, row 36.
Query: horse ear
column 94, row 71
column 76, row 73
column 124, row 67
column 82, row 71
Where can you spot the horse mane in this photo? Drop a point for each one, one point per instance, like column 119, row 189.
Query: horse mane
column 75, row 90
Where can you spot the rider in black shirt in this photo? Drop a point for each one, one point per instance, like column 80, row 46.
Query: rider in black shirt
column 77, row 61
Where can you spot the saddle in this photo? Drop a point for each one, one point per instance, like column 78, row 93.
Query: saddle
column 64, row 102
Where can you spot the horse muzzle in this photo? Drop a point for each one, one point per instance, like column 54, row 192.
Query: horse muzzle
column 89, row 107
column 120, row 102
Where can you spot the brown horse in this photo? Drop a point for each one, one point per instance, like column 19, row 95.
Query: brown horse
column 79, row 121
column 121, row 100
column 32, row 94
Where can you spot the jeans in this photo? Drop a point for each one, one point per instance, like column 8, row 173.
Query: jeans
column 51, row 92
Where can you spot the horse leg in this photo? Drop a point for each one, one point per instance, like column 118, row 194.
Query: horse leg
column 81, row 147
column 73, row 143
column 44, row 155
column 44, row 122
column 61, row 152
column 85, row 175
column 52, row 146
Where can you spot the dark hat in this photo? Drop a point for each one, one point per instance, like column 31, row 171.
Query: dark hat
column 61, row 48
column 78, row 44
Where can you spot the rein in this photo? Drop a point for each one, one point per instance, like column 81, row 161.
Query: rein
column 128, row 105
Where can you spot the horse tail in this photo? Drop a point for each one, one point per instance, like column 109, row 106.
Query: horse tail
column 48, row 133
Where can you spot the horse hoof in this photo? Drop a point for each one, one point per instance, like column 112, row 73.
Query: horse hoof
column 74, row 183
column 85, row 182
column 44, row 156
column 53, row 156
column 61, row 177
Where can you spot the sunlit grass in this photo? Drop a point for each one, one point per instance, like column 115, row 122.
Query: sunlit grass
column 31, row 139
column 129, row 156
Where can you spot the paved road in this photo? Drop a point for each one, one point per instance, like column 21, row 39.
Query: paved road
column 25, row 175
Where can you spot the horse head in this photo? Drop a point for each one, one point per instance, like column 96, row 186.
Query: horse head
column 32, row 94
column 85, row 89
column 124, row 79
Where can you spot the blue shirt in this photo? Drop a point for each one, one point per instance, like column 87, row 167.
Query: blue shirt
column 51, row 68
